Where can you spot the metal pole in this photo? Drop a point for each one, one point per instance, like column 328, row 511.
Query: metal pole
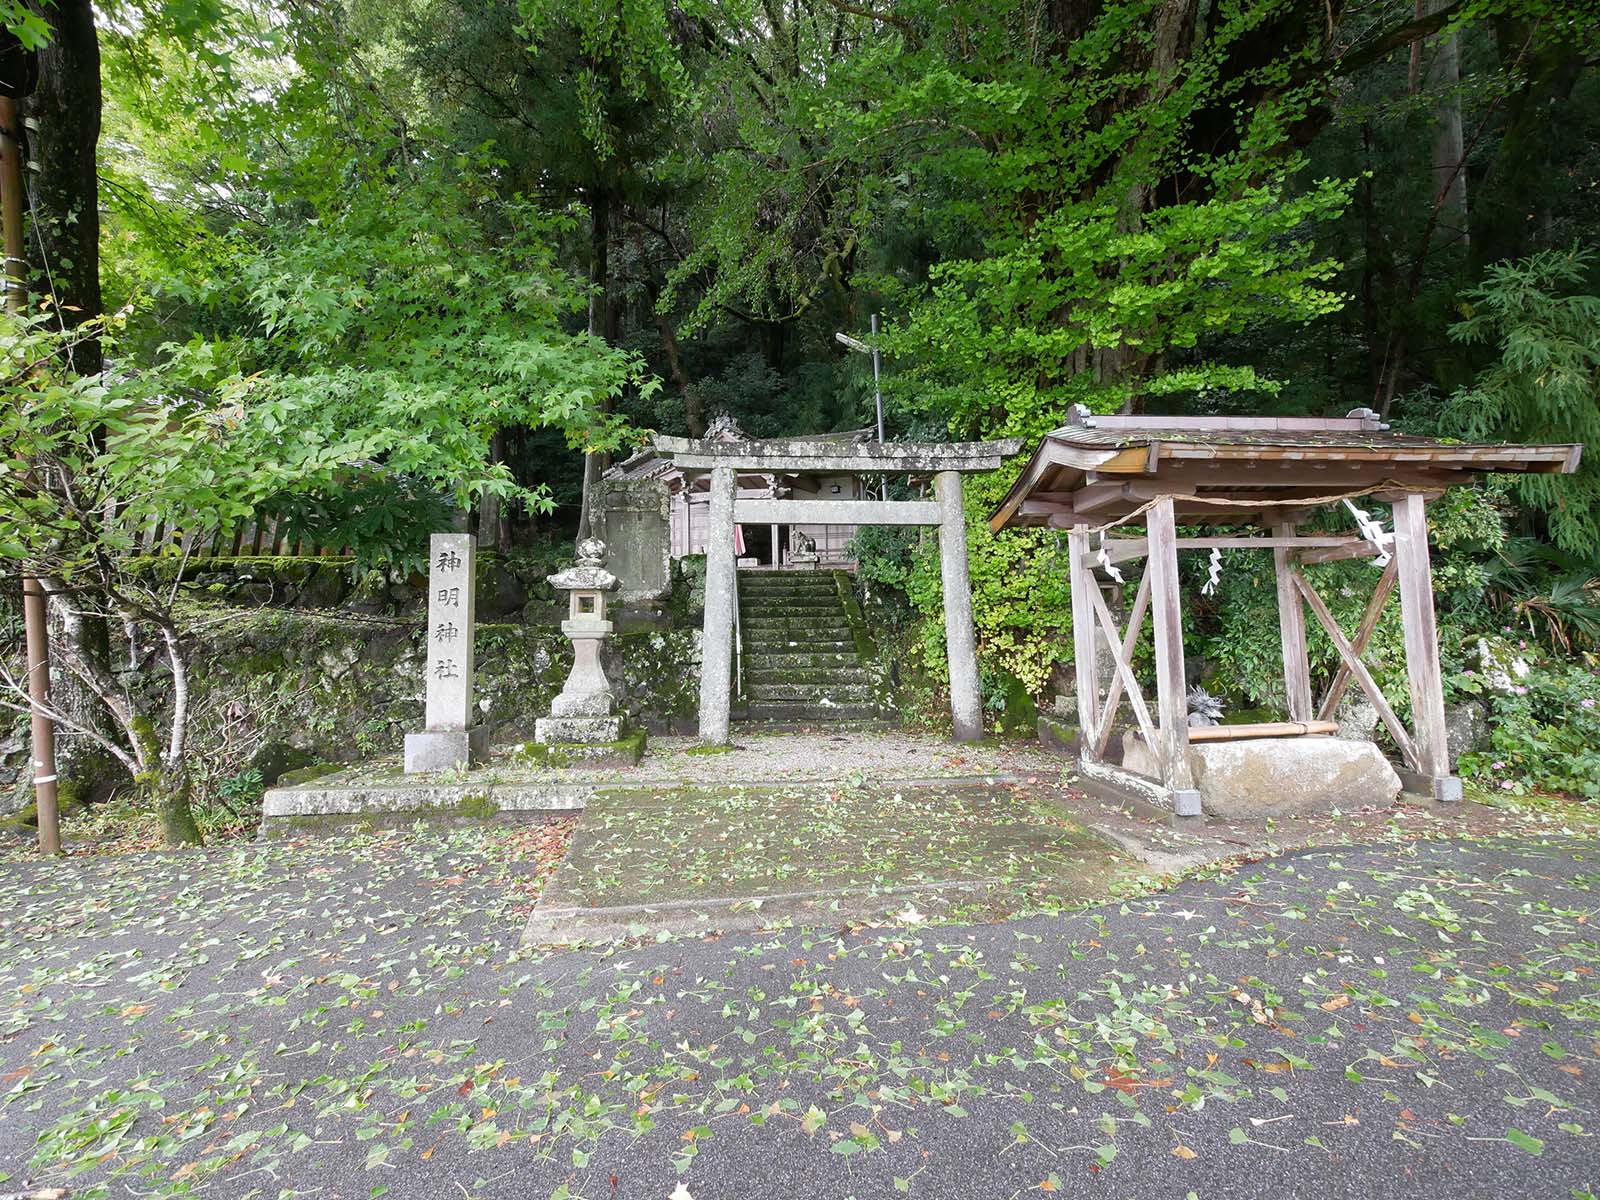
column 34, row 614
column 877, row 393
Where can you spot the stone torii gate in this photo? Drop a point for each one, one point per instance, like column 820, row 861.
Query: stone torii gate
column 945, row 461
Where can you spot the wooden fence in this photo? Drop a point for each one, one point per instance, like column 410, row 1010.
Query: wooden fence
column 249, row 539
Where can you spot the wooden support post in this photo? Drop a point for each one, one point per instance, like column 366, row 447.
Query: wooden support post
column 1357, row 668
column 1083, row 620
column 1369, row 623
column 1422, row 647
column 1292, row 632
column 1122, row 665
column 960, row 641
column 1130, row 639
column 716, row 655
column 1171, row 705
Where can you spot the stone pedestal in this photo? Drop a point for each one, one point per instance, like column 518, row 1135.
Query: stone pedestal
column 582, row 712
column 445, row 749
column 1279, row 777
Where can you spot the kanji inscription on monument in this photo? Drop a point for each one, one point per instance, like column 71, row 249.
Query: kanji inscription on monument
column 450, row 595
column 448, row 739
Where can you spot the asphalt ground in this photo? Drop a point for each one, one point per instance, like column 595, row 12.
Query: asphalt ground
column 353, row 1017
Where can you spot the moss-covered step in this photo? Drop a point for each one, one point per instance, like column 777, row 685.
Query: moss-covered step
column 838, row 693
column 827, row 712
column 626, row 751
column 816, row 677
column 286, row 808
column 801, row 659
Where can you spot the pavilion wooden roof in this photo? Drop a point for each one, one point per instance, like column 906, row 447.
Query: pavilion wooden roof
column 1100, row 468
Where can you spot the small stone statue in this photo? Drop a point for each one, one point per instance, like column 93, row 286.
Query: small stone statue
column 802, row 549
column 1205, row 710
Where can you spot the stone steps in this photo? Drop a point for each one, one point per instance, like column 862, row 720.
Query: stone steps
column 820, row 678
column 789, row 595
column 799, row 631
column 811, row 713
column 797, row 645
column 755, row 612
column 799, row 690
column 759, row 581
column 800, row 660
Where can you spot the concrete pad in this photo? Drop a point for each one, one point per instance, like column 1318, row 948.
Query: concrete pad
column 680, row 860
column 513, row 780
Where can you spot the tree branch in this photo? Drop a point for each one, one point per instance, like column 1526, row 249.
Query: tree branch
column 1384, row 44
column 900, row 23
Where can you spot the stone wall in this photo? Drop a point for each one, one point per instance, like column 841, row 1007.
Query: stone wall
column 277, row 689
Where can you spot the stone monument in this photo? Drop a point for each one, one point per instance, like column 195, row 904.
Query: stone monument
column 582, row 714
column 449, row 739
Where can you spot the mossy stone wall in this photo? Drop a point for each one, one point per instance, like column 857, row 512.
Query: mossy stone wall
column 277, row 689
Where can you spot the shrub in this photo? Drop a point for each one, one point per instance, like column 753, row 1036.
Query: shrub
column 1544, row 729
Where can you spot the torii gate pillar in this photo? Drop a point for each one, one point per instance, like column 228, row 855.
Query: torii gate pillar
column 961, row 644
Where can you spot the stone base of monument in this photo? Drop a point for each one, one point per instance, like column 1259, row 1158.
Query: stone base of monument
column 445, row 749
column 625, row 750
column 1279, row 777
column 571, row 741
column 587, row 731
column 1058, row 736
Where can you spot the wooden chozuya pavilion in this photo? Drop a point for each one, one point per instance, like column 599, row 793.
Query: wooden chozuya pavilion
column 1099, row 473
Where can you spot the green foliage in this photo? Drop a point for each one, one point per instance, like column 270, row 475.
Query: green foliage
column 410, row 319
column 1019, row 593
column 1240, row 624
column 1553, row 595
column 241, row 790
column 25, row 22
column 625, row 57
column 1001, row 342
column 1544, row 728
column 1546, row 385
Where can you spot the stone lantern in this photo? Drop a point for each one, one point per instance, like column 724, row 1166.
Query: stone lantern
column 582, row 714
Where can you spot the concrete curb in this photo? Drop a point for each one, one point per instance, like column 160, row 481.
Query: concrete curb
column 561, row 796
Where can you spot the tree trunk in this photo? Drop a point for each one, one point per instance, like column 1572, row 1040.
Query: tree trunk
column 87, row 772
column 604, row 320
column 167, row 791
column 1510, row 205
column 163, row 784
column 1449, row 145
column 494, row 531
column 62, row 186
column 694, row 410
